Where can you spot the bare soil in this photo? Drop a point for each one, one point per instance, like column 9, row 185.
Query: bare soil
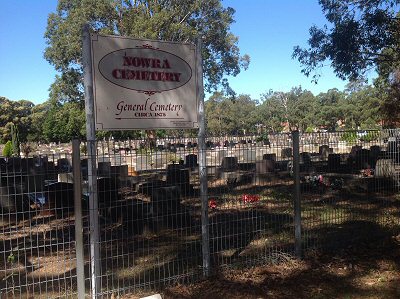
column 362, row 272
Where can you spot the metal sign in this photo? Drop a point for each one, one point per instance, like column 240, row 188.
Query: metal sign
column 143, row 84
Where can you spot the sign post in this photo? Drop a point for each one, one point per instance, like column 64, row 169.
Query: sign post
column 141, row 84
column 92, row 169
column 202, row 164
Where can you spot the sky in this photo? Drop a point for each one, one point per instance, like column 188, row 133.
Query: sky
column 267, row 30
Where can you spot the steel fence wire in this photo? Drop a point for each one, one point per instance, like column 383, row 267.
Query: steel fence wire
column 37, row 236
column 149, row 208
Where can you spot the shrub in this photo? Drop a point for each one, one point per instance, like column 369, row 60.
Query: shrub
column 8, row 149
column 349, row 137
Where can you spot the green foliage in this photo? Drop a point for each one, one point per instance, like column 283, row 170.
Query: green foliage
column 362, row 35
column 84, row 148
column 15, row 140
column 370, row 136
column 264, row 137
column 350, row 137
column 8, row 149
column 64, row 122
column 181, row 20
column 359, row 31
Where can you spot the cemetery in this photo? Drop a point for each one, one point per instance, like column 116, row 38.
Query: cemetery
column 150, row 209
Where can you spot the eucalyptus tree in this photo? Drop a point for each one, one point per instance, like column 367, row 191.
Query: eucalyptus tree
column 173, row 20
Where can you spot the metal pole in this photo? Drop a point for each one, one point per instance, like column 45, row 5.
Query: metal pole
column 92, row 172
column 80, row 262
column 297, row 198
column 202, row 162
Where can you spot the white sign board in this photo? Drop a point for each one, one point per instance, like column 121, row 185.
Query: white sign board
column 143, row 84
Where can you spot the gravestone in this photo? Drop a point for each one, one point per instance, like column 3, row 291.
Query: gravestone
column 14, row 165
column 63, row 165
column 178, row 176
column 247, row 155
column 265, row 166
column 107, row 191
column 362, row 159
column 104, row 169
column 60, row 197
column 191, row 161
column 286, row 153
column 271, row 157
column 167, row 208
column 333, row 162
column 85, row 168
column 375, row 152
column 10, row 200
column 324, row 151
column 229, row 164
column 305, row 160
column 354, row 150
column 385, row 168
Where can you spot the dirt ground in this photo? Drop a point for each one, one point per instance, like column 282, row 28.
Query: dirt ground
column 363, row 272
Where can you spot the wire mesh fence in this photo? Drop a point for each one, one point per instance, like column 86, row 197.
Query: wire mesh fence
column 149, row 214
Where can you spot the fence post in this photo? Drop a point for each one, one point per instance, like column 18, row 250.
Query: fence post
column 297, row 198
column 202, row 163
column 80, row 262
column 92, row 169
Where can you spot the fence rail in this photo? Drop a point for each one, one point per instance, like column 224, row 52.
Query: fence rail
column 265, row 202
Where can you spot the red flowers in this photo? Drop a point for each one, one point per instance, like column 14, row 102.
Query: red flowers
column 212, row 204
column 250, row 198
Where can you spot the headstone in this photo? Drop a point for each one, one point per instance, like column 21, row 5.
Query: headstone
column 119, row 171
column 167, row 207
column 286, row 153
column 191, row 161
column 65, row 177
column 375, row 152
column 107, row 191
column 14, row 165
column 247, row 155
column 324, row 151
column 229, row 164
column 362, row 159
column 178, row 176
column 333, row 162
column 271, row 157
column 385, row 168
column 354, row 150
column 63, row 165
column 265, row 166
column 305, row 161
column 9, row 200
column 104, row 169
column 59, row 196
column 305, row 158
